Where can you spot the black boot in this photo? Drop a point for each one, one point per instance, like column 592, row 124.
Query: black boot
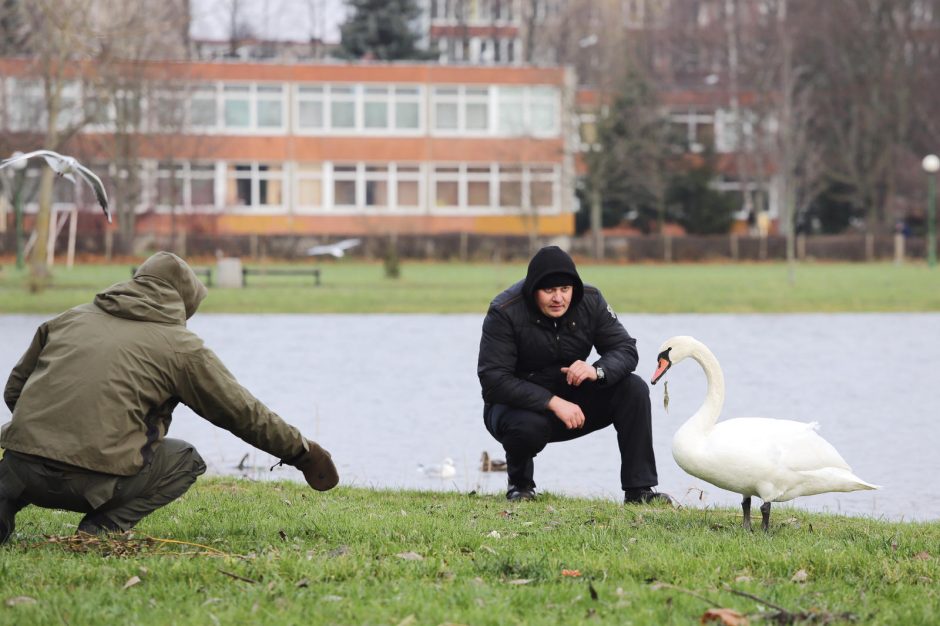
column 520, row 493
column 646, row 495
column 7, row 519
column 97, row 524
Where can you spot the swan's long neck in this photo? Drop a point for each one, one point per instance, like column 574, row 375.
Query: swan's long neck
column 707, row 414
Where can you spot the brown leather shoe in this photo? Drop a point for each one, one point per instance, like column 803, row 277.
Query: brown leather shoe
column 317, row 466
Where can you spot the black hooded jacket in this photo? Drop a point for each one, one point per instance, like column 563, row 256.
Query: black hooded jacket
column 522, row 350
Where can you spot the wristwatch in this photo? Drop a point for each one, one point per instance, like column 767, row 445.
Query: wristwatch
column 601, row 376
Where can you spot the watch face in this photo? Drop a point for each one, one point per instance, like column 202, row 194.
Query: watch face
column 600, row 373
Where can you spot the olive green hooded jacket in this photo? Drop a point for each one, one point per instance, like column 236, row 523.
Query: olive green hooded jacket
column 98, row 384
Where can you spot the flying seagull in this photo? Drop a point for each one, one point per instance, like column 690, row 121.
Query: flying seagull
column 337, row 249
column 66, row 167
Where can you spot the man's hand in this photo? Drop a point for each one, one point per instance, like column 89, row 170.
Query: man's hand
column 578, row 372
column 568, row 412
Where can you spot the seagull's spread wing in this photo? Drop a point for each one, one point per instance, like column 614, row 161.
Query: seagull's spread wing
column 95, row 183
column 346, row 244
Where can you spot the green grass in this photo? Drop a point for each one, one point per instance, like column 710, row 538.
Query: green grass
column 359, row 287
column 340, row 558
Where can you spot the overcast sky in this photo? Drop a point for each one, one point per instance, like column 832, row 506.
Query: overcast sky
column 293, row 20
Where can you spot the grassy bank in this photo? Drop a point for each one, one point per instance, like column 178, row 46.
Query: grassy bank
column 359, row 287
column 282, row 554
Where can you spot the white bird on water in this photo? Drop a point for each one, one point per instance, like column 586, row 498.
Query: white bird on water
column 337, row 249
column 776, row 460
column 445, row 470
column 66, row 167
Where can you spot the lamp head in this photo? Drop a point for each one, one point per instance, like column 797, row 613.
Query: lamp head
column 931, row 163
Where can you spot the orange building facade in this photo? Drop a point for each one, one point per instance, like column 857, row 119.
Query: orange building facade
column 323, row 150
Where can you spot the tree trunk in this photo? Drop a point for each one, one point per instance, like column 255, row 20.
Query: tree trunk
column 38, row 269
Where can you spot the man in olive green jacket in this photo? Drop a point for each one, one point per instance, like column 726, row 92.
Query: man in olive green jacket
column 93, row 396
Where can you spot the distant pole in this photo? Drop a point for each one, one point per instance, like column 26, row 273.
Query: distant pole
column 931, row 164
column 18, row 220
column 19, row 181
column 596, row 232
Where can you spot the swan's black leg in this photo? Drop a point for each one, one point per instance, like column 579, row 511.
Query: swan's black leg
column 746, row 507
column 765, row 516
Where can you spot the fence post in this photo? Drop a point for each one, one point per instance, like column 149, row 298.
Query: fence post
column 734, row 247
column 801, row 247
column 869, row 247
column 898, row 248
column 667, row 248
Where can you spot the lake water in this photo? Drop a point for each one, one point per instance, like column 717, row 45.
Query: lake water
column 385, row 393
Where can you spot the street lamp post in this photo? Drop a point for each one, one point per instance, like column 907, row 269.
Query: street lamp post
column 931, row 165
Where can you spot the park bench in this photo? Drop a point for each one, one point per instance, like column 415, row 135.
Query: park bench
column 281, row 271
column 205, row 273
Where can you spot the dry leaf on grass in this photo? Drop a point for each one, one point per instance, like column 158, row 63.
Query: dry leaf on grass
column 573, row 573
column 922, row 556
column 410, row 556
column 727, row 617
column 408, row 621
column 800, row 577
column 133, row 580
column 303, row 582
column 520, row 581
column 16, row 600
column 494, row 534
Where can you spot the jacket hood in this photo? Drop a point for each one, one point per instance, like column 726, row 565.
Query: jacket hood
column 551, row 260
column 164, row 289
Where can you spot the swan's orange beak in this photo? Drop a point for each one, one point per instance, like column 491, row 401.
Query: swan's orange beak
column 664, row 364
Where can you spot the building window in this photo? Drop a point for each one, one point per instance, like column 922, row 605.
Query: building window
column 510, row 187
column 254, row 184
column 460, row 108
column 446, row 108
column 342, row 107
column 236, row 103
column 408, row 186
column 407, row 108
column 542, row 110
column 542, row 187
column 310, row 107
column 309, row 185
column 528, row 111
column 270, row 184
column 376, row 186
column 446, row 186
column 375, row 108
column 170, row 184
column 344, row 185
column 202, row 185
column 27, row 104
column 203, row 112
column 478, row 186
column 511, row 110
column 476, row 108
column 270, row 106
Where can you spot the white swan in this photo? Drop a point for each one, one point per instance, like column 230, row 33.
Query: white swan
column 776, row 460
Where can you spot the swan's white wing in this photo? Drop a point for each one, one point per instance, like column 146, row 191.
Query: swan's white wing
column 794, row 445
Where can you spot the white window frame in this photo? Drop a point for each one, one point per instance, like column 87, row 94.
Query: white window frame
column 255, row 207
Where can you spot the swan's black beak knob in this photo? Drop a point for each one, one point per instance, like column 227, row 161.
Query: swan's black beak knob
column 662, row 364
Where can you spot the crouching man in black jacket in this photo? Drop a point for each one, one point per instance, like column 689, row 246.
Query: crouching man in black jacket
column 537, row 387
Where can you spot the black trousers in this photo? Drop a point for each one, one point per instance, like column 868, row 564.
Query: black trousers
column 626, row 405
column 107, row 500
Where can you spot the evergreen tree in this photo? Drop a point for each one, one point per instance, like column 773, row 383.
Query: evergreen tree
column 636, row 146
column 701, row 209
column 381, row 30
